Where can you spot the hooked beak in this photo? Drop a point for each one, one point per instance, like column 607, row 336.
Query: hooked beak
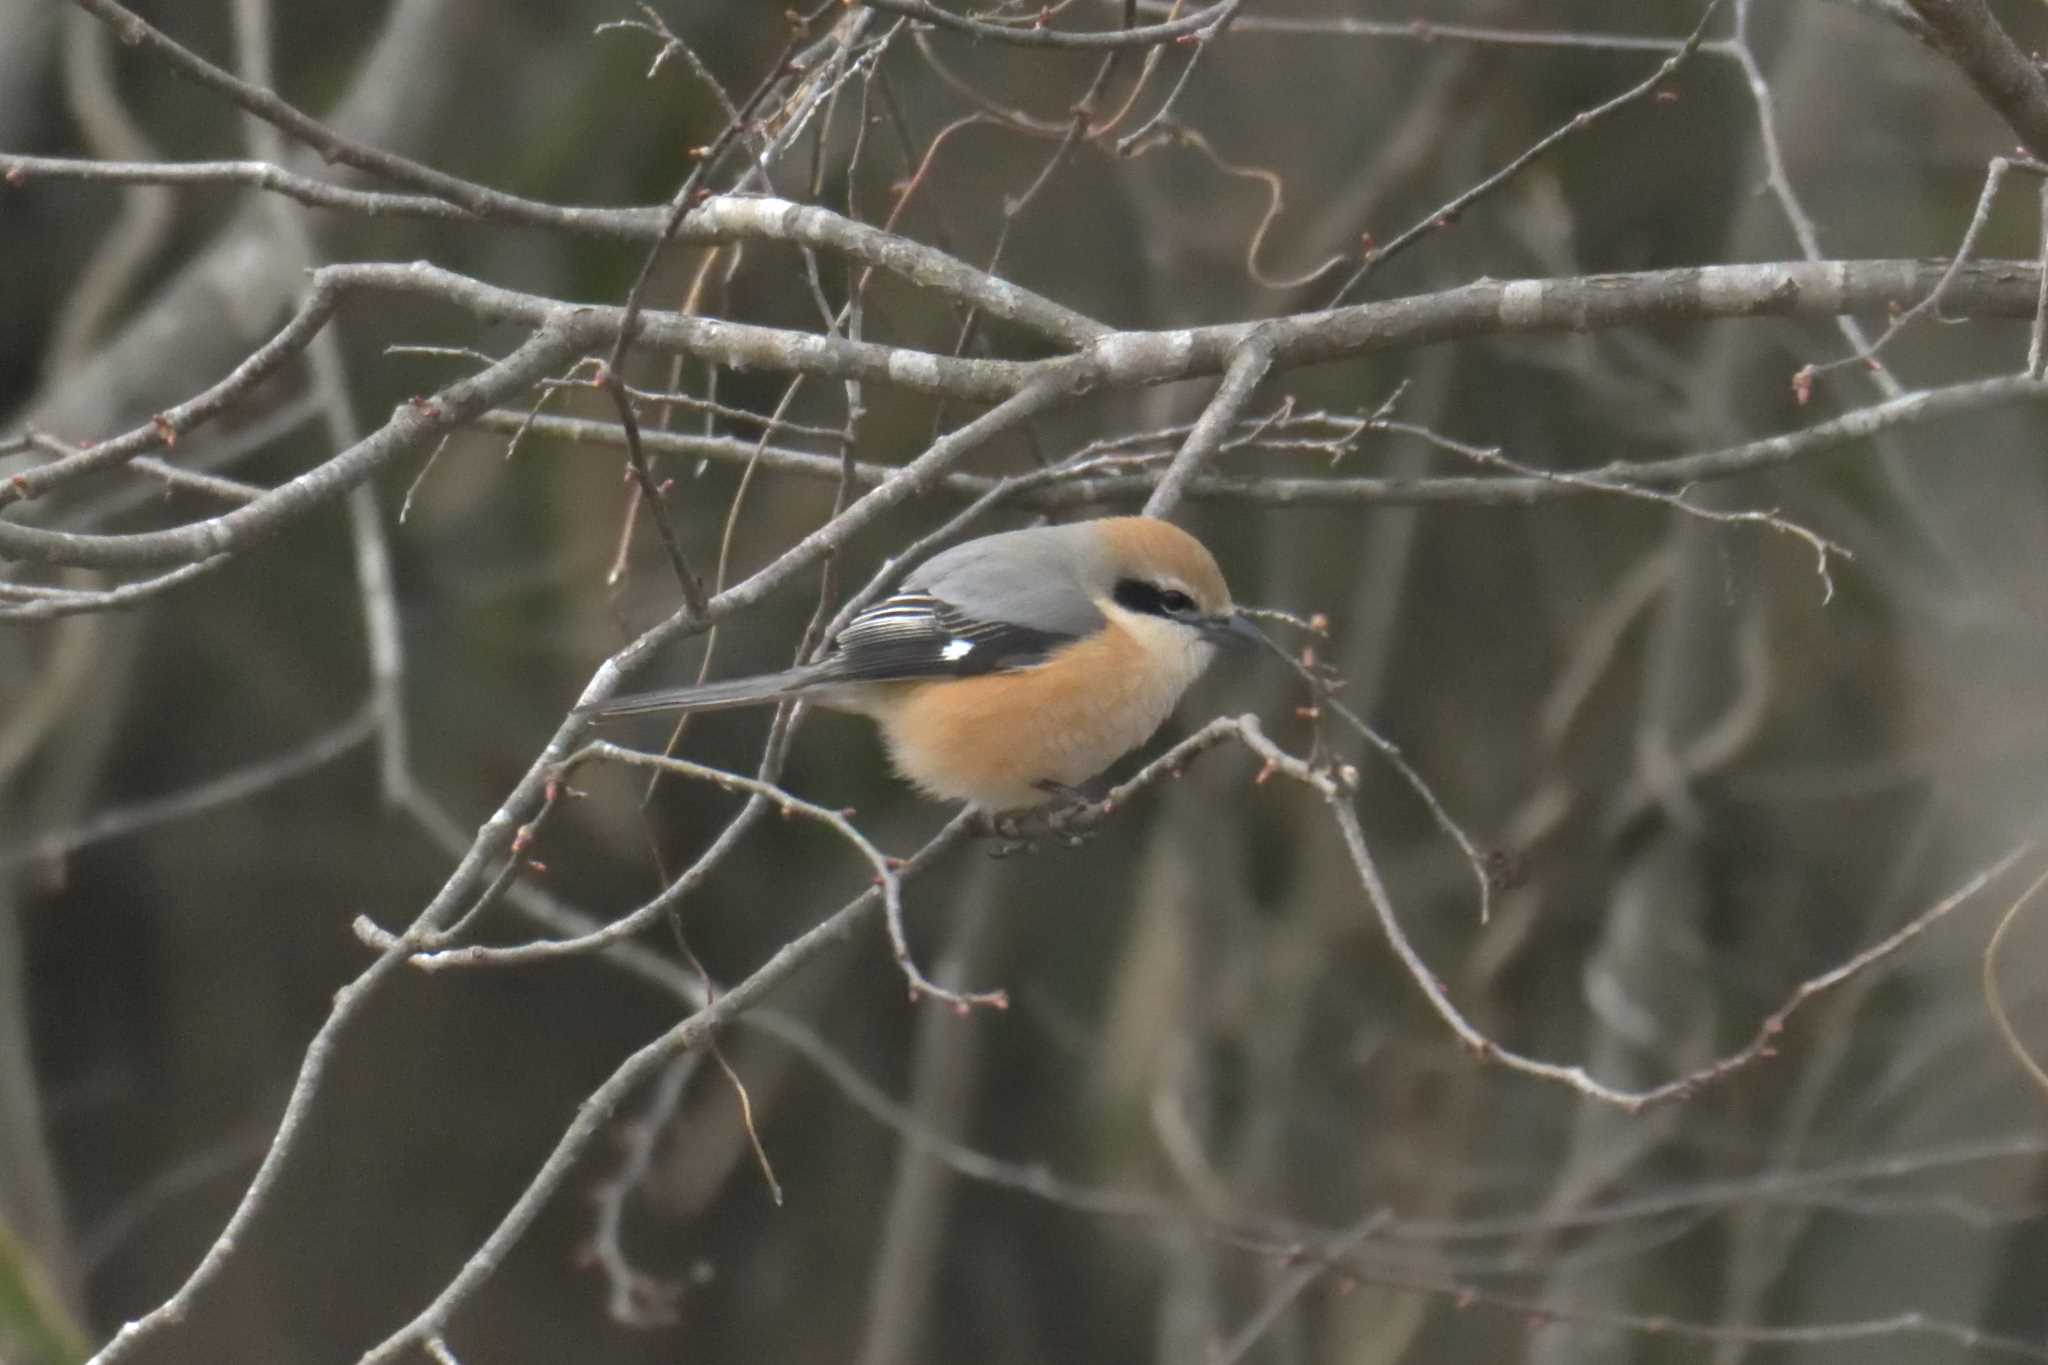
column 1233, row 630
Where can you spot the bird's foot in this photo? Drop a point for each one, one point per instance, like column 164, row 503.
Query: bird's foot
column 1009, row 833
column 1072, row 817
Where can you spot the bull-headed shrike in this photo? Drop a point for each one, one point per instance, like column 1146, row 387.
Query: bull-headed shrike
column 1010, row 669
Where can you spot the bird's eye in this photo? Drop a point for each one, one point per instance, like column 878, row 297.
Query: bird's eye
column 1135, row 594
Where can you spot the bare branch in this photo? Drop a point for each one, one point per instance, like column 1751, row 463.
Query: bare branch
column 719, row 219
column 1780, row 182
column 835, row 820
column 1909, row 1325
column 1994, row 999
column 411, row 426
column 1430, row 31
column 1762, row 1045
column 1246, row 369
column 2004, row 76
column 47, row 604
column 119, row 822
column 1032, row 34
column 595, row 1113
column 1823, row 548
column 1377, row 254
column 164, row 429
column 1088, row 482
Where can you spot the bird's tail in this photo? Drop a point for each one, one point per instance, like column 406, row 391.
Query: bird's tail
column 713, row 696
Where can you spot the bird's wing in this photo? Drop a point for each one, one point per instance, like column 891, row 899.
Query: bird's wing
column 921, row 635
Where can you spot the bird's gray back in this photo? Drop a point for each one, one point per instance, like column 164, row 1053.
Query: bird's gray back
column 1045, row 577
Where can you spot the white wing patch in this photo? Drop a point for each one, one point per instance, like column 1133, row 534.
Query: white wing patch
column 956, row 649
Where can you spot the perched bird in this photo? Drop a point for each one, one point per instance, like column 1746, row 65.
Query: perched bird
column 1009, row 670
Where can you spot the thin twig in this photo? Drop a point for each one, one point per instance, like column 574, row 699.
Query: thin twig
column 1377, row 254
column 593, row 1116
column 1034, row 35
column 1080, row 481
column 1994, row 999
column 120, row 822
column 1823, row 548
column 884, row 866
column 1762, row 1045
column 1980, row 217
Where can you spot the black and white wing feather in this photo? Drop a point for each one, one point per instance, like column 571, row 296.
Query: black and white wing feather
column 920, row 635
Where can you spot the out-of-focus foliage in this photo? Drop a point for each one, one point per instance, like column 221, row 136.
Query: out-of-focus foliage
column 34, row 1326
